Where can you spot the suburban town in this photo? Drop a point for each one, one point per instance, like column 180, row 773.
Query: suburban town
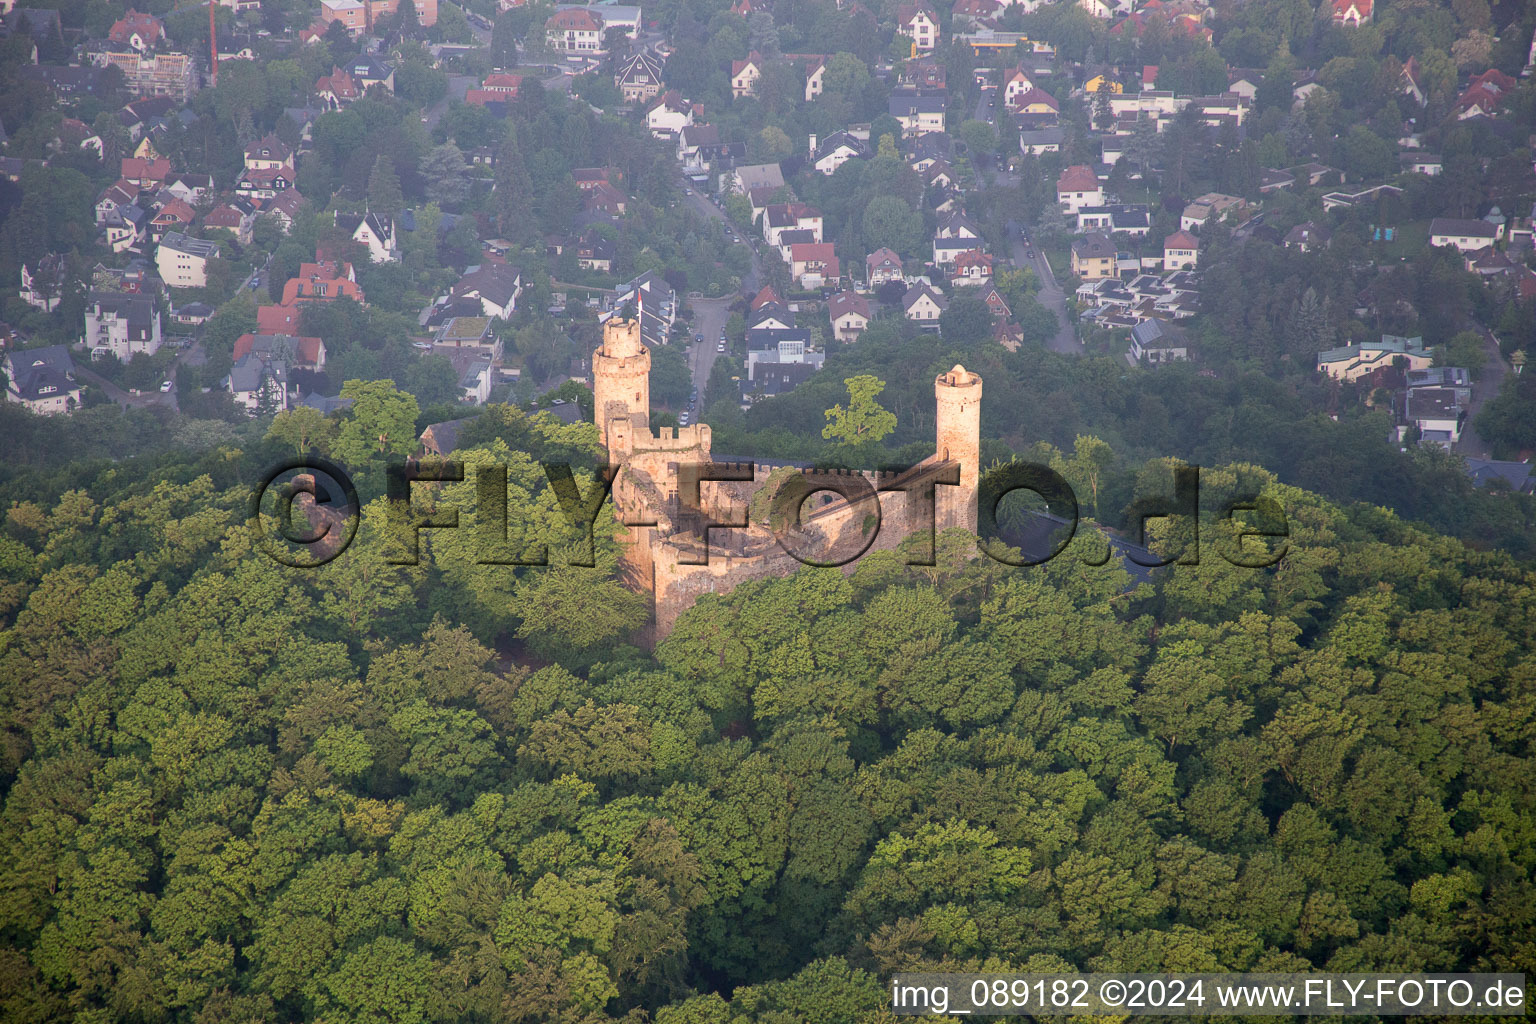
column 1289, row 243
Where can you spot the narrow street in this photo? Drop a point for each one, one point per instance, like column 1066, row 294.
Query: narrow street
column 1490, row 380
column 1050, row 295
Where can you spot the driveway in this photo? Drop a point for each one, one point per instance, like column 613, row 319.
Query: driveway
column 1051, row 295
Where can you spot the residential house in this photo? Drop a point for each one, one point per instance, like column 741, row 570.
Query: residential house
column 918, row 115
column 264, row 183
column 779, row 218
column 1415, row 162
column 814, row 265
column 283, row 208
column 137, row 31
column 1154, row 342
column 668, row 114
column 1490, row 262
column 113, row 199
column 940, row 176
column 1502, row 475
column 605, row 201
column 1209, row 208
column 923, row 305
column 323, row 280
column 1438, row 413
column 295, row 352
column 835, row 150
column 42, row 380
column 1273, row 180
column 1461, row 234
column 1180, row 250
column 269, row 153
column 190, row 188
column 1077, row 187
column 44, row 288
column 996, row 304
column 1132, row 219
column 258, row 383
column 336, row 90
column 1352, row 13
column 172, row 217
column 146, row 174
column 919, row 23
column 849, row 313
column 1411, row 82
column 1036, row 141
column 971, row 269
column 747, row 177
column 575, row 32
column 639, row 79
column 595, row 252
column 126, row 228
column 375, row 232
column 744, row 75
column 1352, row 362
column 1093, row 257
column 497, row 285
column 475, row 381
column 183, row 261
column 883, row 266
column 1485, row 95
column 368, row 72
column 237, row 216
column 121, row 325
column 1015, row 84
column 1308, row 237
column 814, row 69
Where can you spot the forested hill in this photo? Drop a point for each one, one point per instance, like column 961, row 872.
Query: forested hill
column 237, row 792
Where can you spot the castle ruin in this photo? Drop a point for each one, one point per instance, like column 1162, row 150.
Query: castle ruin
column 677, row 555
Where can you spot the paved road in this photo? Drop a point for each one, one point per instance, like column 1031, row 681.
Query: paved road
column 709, row 211
column 1051, row 295
column 1487, row 385
column 709, row 317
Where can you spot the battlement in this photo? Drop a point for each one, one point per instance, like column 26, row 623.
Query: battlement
column 676, row 439
column 621, row 339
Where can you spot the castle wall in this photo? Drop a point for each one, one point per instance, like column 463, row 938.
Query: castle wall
column 647, row 489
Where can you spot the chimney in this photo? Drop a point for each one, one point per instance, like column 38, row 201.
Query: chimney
column 813, row 146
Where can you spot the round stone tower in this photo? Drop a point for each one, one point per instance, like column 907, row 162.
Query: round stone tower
column 621, row 386
column 957, row 398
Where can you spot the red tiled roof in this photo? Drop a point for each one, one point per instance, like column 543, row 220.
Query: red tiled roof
column 1077, row 178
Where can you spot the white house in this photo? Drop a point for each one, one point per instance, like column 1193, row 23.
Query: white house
column 122, row 325
column 919, row 23
column 42, row 380
column 1077, row 187
column 668, row 114
column 1463, row 235
column 1180, row 250
column 376, row 233
column 849, row 314
column 183, row 261
column 923, row 305
column 497, row 286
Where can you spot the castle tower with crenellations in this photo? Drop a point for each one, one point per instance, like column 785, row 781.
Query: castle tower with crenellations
column 957, row 397
column 661, row 552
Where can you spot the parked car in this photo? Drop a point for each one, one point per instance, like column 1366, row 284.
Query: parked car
column 720, row 347
column 167, row 385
